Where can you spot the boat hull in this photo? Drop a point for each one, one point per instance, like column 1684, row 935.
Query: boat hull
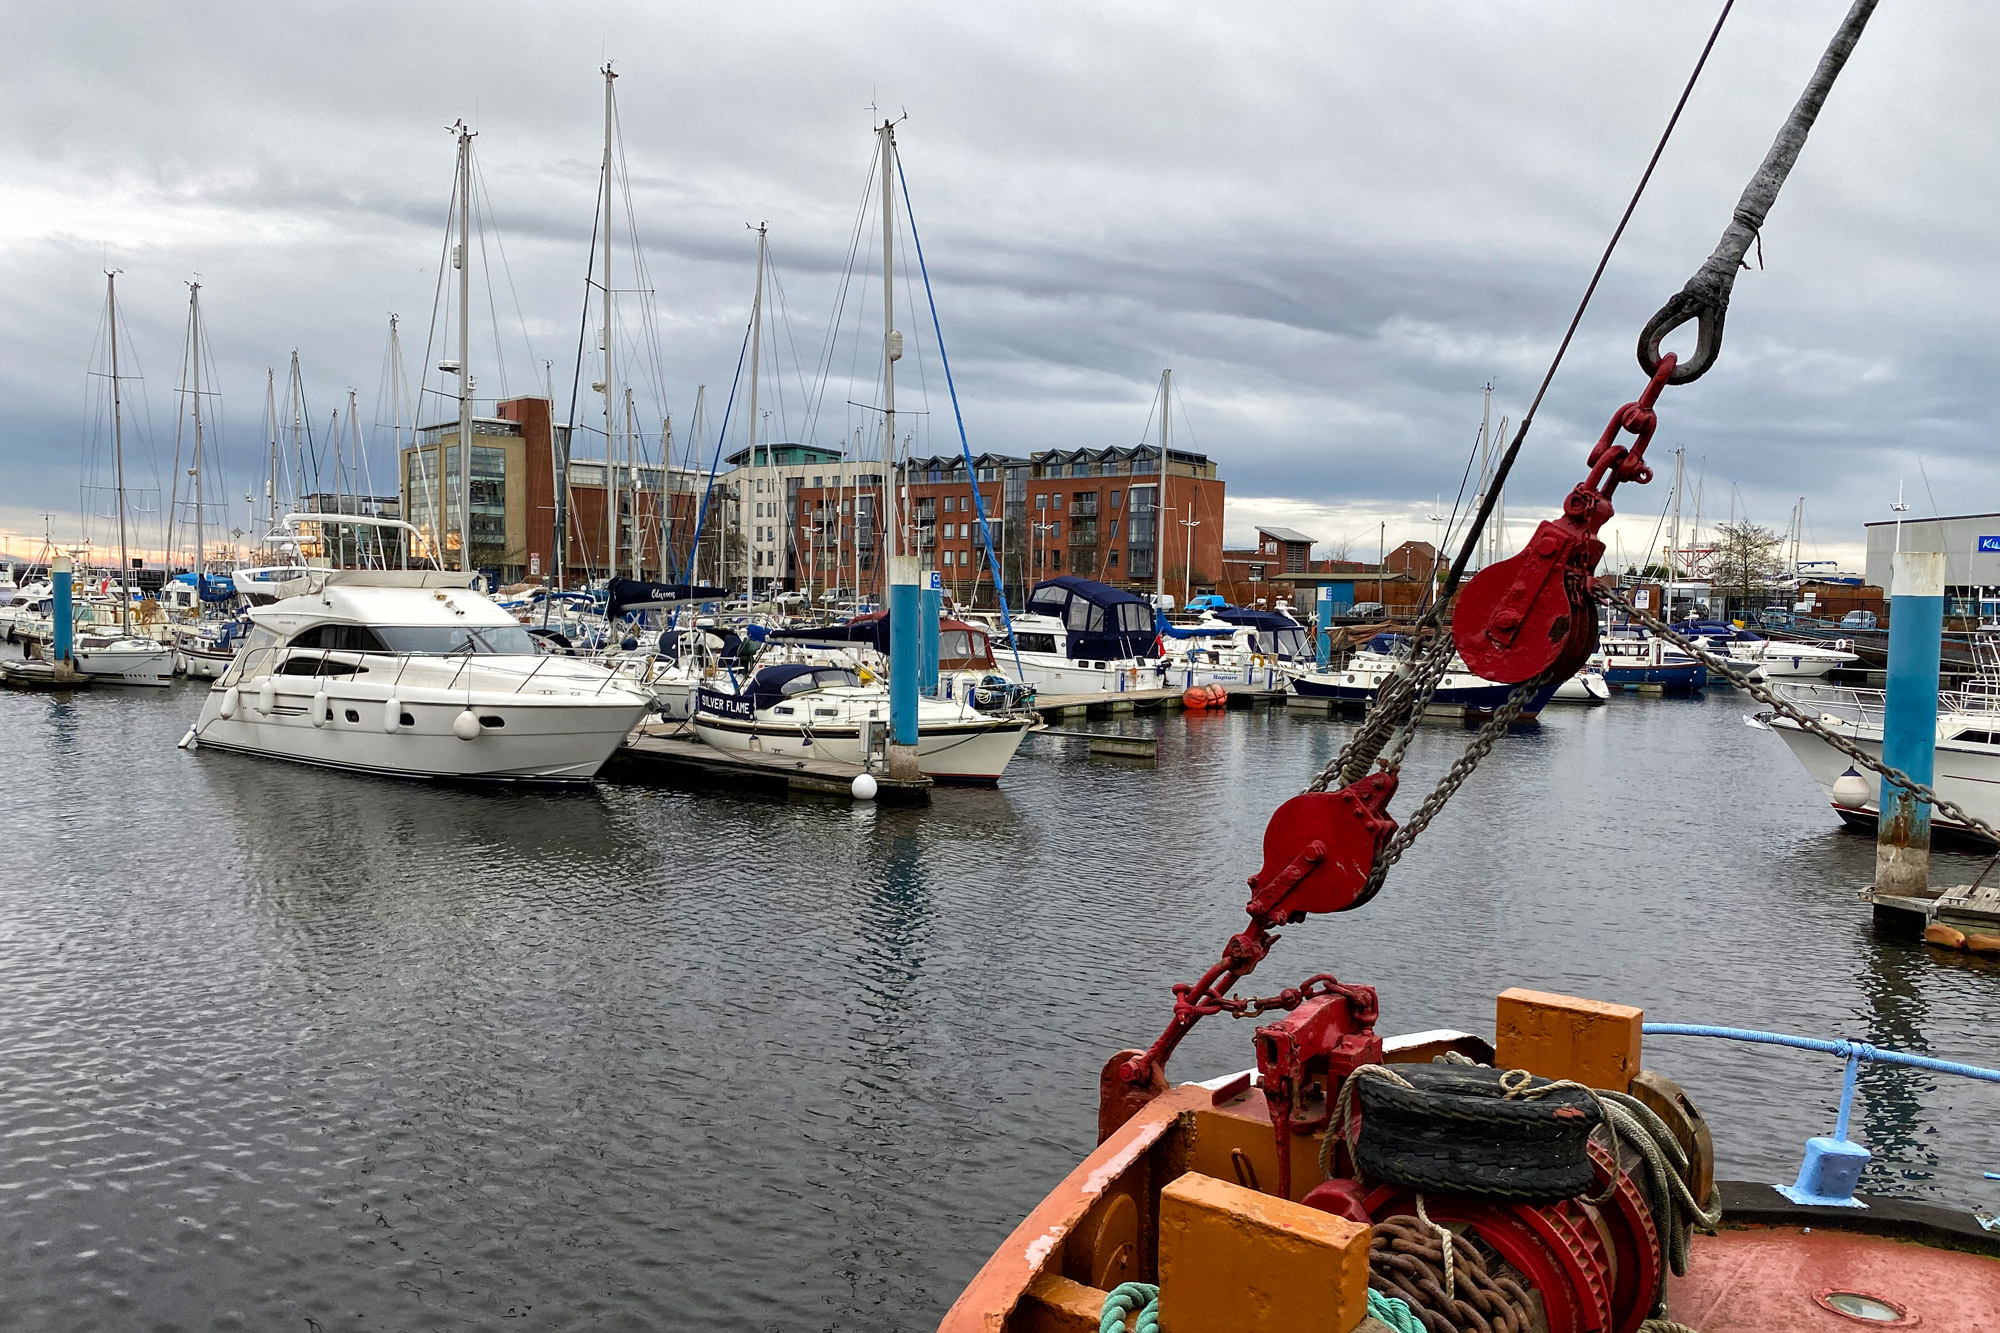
column 1967, row 776
column 972, row 753
column 559, row 741
column 127, row 664
column 1673, row 678
column 1457, row 695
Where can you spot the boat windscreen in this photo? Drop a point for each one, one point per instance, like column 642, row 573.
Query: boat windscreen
column 451, row 640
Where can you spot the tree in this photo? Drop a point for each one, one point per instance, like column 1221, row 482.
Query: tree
column 1746, row 557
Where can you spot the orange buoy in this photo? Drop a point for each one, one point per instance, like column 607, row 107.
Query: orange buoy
column 1195, row 698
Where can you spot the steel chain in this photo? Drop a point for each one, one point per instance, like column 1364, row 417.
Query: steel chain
column 1447, row 787
column 1784, row 707
column 1413, row 685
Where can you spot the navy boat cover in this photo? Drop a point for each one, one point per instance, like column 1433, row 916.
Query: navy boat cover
column 772, row 684
column 1102, row 621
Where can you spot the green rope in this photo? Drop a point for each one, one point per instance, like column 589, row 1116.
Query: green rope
column 1145, row 1298
column 1395, row 1313
column 1141, row 1296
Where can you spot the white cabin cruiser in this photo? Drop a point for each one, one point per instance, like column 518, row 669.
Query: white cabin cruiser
column 1767, row 659
column 818, row 711
column 412, row 674
column 1079, row 636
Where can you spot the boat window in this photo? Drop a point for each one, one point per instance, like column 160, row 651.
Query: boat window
column 1036, row 643
column 1977, row 737
column 1085, row 615
column 954, row 643
column 313, row 664
column 344, row 638
column 1134, row 616
column 451, row 640
column 1048, row 601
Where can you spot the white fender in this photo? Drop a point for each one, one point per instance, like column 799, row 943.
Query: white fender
column 466, row 726
column 392, row 715
column 322, row 709
column 267, row 697
column 231, row 698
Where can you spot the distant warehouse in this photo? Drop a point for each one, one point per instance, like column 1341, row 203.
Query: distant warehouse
column 1971, row 546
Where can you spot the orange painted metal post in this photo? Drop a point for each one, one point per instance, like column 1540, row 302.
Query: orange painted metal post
column 1233, row 1260
column 1560, row 1036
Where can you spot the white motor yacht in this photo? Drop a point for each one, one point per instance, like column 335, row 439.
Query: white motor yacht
column 1768, row 659
column 825, row 712
column 412, row 674
column 1965, row 765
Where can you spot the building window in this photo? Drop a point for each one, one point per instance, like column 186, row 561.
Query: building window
column 1055, row 528
column 1117, row 498
column 1256, row 571
column 1055, row 559
column 1114, row 529
column 1042, row 501
column 1114, row 558
column 1055, row 500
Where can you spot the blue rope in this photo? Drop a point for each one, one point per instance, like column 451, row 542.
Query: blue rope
column 964, row 447
column 701, row 515
column 1846, row 1050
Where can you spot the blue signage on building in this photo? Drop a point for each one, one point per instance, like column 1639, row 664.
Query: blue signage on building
column 1989, row 544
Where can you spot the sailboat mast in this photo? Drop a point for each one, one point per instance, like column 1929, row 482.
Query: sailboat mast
column 753, row 476
column 118, row 457
column 634, row 457
column 194, row 350
column 612, row 487
column 1485, row 472
column 271, row 476
column 464, row 348
column 666, row 475
column 1160, row 499
column 892, row 341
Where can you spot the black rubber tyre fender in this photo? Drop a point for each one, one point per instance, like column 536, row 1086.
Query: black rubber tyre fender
column 1454, row 1131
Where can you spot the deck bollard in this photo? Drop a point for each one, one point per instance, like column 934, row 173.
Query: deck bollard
column 1833, row 1166
column 1909, row 724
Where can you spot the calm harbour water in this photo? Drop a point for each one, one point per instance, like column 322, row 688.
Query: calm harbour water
column 284, row 1049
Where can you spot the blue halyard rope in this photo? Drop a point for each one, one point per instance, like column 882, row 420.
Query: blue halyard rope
column 965, row 448
column 701, row 514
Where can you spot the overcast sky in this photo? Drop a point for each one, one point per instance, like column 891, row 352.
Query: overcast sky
column 1336, row 222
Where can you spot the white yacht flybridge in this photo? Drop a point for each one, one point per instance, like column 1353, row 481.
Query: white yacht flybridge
column 410, row 673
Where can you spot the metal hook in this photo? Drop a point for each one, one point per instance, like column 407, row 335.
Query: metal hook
column 1708, row 339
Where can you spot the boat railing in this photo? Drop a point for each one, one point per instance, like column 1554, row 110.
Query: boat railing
column 1832, row 1166
column 1854, row 705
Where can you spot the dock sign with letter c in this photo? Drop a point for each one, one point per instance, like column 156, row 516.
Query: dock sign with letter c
column 1987, row 544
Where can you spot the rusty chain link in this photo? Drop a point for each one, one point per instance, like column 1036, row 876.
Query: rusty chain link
column 1785, row 708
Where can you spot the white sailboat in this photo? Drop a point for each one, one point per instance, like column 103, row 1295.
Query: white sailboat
column 121, row 657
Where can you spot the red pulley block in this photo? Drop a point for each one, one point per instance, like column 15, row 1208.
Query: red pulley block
column 1320, row 848
column 1531, row 615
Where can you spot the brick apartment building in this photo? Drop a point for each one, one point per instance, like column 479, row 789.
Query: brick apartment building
column 1090, row 512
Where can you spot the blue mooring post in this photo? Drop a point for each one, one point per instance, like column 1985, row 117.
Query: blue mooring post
column 903, row 635
column 1323, row 639
column 930, row 605
column 1909, row 725
column 65, row 637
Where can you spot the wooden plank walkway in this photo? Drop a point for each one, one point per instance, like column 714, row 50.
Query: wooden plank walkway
column 687, row 758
